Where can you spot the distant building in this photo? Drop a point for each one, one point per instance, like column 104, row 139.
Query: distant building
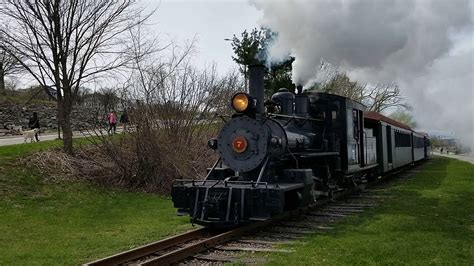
column 445, row 139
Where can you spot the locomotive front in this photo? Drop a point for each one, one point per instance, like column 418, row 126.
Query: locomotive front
column 244, row 184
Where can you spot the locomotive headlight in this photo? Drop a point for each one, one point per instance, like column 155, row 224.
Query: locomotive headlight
column 241, row 102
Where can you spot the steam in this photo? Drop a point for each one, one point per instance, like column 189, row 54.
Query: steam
column 425, row 46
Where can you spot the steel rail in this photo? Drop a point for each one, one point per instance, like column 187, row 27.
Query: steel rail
column 151, row 248
column 185, row 252
column 199, row 246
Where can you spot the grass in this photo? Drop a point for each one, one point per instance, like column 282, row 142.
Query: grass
column 21, row 100
column 429, row 221
column 72, row 222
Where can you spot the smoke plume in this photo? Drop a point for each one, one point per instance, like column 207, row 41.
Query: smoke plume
column 425, row 46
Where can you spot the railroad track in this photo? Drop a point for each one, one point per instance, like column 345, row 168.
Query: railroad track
column 203, row 246
column 180, row 247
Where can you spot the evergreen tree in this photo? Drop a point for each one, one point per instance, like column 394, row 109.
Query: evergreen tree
column 251, row 49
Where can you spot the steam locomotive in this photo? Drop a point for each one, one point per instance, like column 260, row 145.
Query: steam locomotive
column 305, row 147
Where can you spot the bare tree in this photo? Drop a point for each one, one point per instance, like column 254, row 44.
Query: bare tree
column 171, row 118
column 8, row 66
column 382, row 97
column 177, row 111
column 343, row 86
column 377, row 98
column 108, row 99
column 64, row 44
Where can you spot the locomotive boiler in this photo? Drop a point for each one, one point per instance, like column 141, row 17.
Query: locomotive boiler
column 281, row 154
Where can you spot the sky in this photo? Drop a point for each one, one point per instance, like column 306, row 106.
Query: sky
column 210, row 22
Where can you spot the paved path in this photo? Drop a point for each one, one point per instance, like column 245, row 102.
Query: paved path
column 465, row 157
column 11, row 140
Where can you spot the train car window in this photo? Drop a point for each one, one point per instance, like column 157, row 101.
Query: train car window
column 402, row 139
column 355, row 123
column 335, row 110
column 350, row 125
column 353, row 136
column 418, row 142
column 389, row 143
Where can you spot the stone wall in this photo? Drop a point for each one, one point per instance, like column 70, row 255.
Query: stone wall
column 13, row 115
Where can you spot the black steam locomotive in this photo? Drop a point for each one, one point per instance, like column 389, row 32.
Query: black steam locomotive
column 306, row 146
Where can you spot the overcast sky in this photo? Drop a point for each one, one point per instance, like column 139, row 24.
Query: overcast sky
column 210, row 21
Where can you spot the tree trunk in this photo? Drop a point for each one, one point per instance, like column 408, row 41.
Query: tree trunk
column 64, row 116
column 2, row 80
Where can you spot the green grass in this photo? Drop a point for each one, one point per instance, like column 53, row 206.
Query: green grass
column 72, row 222
column 21, row 100
column 429, row 221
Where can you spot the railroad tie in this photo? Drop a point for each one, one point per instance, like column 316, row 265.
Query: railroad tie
column 217, row 258
column 252, row 249
column 263, row 242
column 326, row 214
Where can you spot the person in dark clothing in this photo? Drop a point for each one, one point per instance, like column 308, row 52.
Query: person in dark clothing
column 124, row 120
column 34, row 123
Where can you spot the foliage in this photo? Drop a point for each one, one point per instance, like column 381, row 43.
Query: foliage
column 279, row 76
column 404, row 117
column 46, row 223
column 436, row 143
column 428, row 220
column 251, row 49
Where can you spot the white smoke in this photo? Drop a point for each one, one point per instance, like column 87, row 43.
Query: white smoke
column 425, row 46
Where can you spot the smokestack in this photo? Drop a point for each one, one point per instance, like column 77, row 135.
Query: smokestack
column 299, row 89
column 256, row 73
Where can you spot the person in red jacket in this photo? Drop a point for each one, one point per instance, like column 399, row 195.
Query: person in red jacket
column 112, row 120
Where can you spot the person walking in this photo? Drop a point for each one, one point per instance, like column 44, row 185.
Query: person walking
column 112, row 120
column 34, row 123
column 124, row 120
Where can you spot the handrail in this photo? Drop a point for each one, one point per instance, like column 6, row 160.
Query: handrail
column 212, row 169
